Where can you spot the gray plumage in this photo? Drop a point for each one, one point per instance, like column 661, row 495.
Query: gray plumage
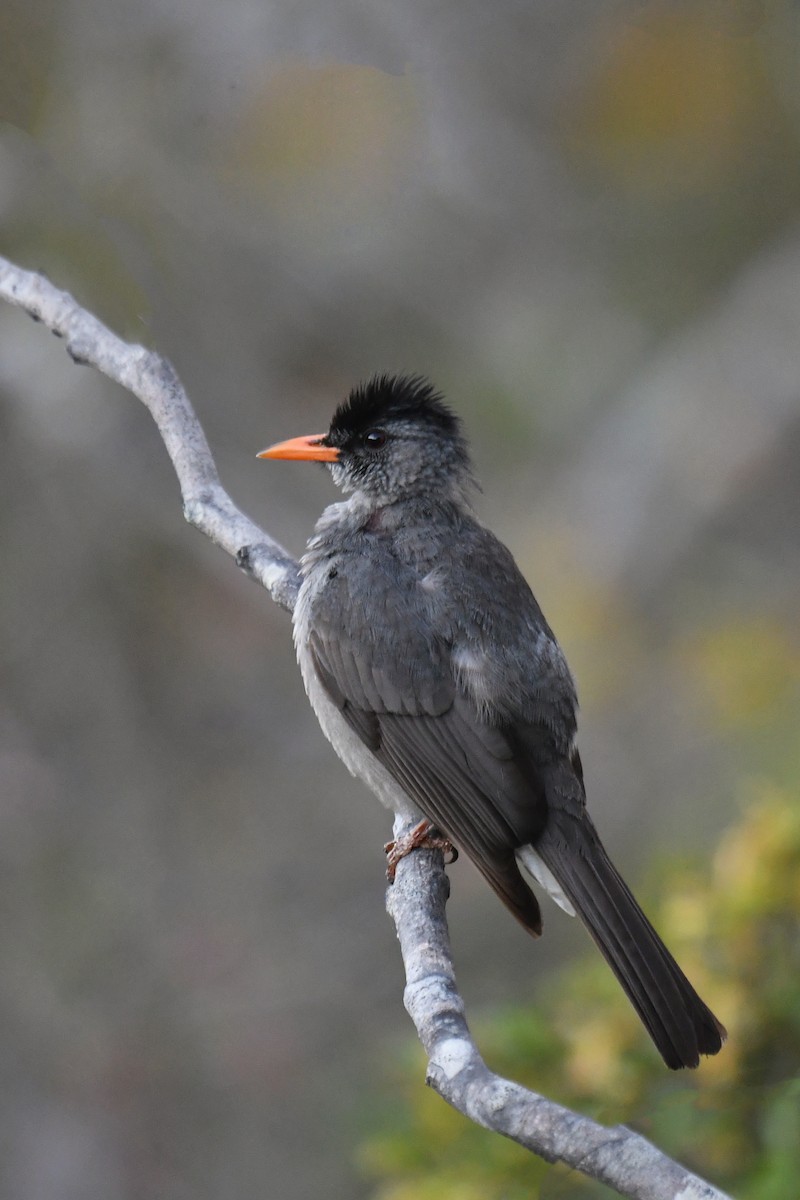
column 437, row 679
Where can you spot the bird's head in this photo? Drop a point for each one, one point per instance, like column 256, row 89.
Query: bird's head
column 392, row 437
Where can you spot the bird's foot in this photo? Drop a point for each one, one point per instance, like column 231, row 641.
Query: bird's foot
column 424, row 836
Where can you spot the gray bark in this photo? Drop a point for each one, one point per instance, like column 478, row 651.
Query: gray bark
column 615, row 1156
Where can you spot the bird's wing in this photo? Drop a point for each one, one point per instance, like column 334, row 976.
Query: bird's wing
column 393, row 681
column 495, row 779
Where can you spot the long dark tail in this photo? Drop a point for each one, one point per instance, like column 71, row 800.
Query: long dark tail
column 677, row 1020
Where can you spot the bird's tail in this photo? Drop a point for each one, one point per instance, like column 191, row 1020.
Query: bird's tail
column 680, row 1024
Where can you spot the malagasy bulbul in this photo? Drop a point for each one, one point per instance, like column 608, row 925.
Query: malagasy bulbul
column 438, row 681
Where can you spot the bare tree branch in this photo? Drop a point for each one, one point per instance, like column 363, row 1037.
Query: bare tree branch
column 153, row 380
column 615, row 1156
column 416, row 902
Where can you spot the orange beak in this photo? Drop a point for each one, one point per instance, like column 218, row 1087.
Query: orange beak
column 306, row 448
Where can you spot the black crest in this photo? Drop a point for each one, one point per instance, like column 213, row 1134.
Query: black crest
column 392, row 397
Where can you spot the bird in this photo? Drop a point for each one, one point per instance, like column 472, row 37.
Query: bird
column 435, row 676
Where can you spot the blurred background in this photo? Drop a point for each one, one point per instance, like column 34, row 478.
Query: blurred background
column 582, row 221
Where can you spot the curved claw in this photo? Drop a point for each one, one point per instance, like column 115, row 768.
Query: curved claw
column 423, row 836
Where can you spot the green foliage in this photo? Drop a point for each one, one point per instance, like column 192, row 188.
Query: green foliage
column 736, row 1120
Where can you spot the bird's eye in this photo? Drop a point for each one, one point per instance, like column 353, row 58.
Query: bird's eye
column 373, row 439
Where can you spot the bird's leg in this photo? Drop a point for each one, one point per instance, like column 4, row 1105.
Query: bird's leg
column 424, row 836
